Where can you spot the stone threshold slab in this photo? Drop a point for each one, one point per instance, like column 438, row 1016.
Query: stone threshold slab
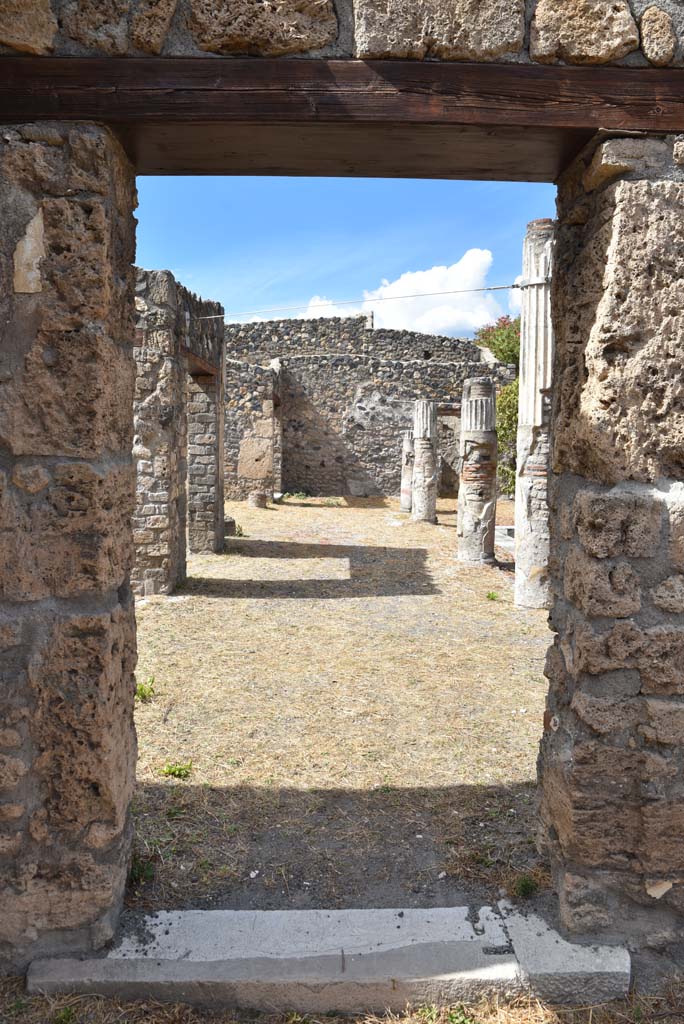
column 349, row 961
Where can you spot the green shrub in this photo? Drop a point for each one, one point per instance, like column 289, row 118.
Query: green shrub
column 506, row 433
column 502, row 338
column 144, row 692
column 177, row 770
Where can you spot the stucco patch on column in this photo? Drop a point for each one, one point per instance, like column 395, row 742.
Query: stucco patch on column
column 611, row 757
column 67, row 630
column 536, row 365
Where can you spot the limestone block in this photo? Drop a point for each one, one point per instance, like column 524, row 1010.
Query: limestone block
column 82, row 727
column 593, row 798
column 30, row 478
column 12, row 771
column 656, row 653
column 676, row 516
column 610, row 524
column 85, row 382
column 620, row 156
column 582, row 31
column 607, row 715
column 255, row 461
column 264, row 29
column 43, row 896
column 600, row 588
column 665, row 722
column 662, row 851
column 27, row 27
column 151, row 21
column 98, row 24
column 458, row 30
column 669, row 596
column 618, row 352
column 658, row 37
column 73, row 539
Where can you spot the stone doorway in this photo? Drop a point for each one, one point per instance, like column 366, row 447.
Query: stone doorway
column 611, row 752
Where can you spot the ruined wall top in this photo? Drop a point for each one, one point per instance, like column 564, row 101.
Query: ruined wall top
column 354, row 335
column 172, row 318
column 628, row 32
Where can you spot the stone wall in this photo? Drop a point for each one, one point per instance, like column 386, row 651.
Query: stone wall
column 67, row 628
column 170, row 333
column 253, row 430
column 612, row 757
column 632, row 32
column 340, row 407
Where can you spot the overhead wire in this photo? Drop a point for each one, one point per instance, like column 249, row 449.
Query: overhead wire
column 380, row 298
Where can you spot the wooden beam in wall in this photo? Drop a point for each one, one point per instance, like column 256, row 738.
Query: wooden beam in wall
column 254, row 115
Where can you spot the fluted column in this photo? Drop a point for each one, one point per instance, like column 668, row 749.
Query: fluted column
column 536, row 361
column 477, row 490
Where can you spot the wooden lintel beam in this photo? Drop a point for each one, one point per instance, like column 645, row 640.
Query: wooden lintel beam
column 198, row 367
column 145, row 91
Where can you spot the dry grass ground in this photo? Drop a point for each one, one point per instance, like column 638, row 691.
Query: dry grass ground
column 357, row 715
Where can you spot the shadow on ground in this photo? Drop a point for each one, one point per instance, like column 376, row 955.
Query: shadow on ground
column 373, row 572
column 261, row 848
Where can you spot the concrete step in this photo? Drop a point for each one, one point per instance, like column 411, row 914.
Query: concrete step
column 350, row 961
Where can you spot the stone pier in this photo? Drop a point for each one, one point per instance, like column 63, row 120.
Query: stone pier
column 405, row 499
column 612, row 756
column 205, row 463
column 425, row 480
column 477, row 489
column 179, row 340
column 67, row 627
column 536, row 363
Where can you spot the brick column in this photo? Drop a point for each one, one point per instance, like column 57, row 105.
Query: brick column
column 612, row 757
column 160, row 442
column 205, row 462
column 67, row 629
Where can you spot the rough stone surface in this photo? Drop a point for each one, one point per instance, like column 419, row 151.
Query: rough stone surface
column 30, row 28
column 619, row 377
column 266, row 29
column 460, row 30
column 613, row 747
column 582, row 31
column 98, row 24
column 150, row 24
column 327, row 414
column 658, row 36
column 67, row 631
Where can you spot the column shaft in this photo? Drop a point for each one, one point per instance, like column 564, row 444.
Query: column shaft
column 477, row 488
column 536, row 360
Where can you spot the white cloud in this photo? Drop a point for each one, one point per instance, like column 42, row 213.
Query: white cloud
column 515, row 297
column 451, row 314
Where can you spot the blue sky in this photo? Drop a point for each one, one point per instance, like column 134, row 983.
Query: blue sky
column 255, row 243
